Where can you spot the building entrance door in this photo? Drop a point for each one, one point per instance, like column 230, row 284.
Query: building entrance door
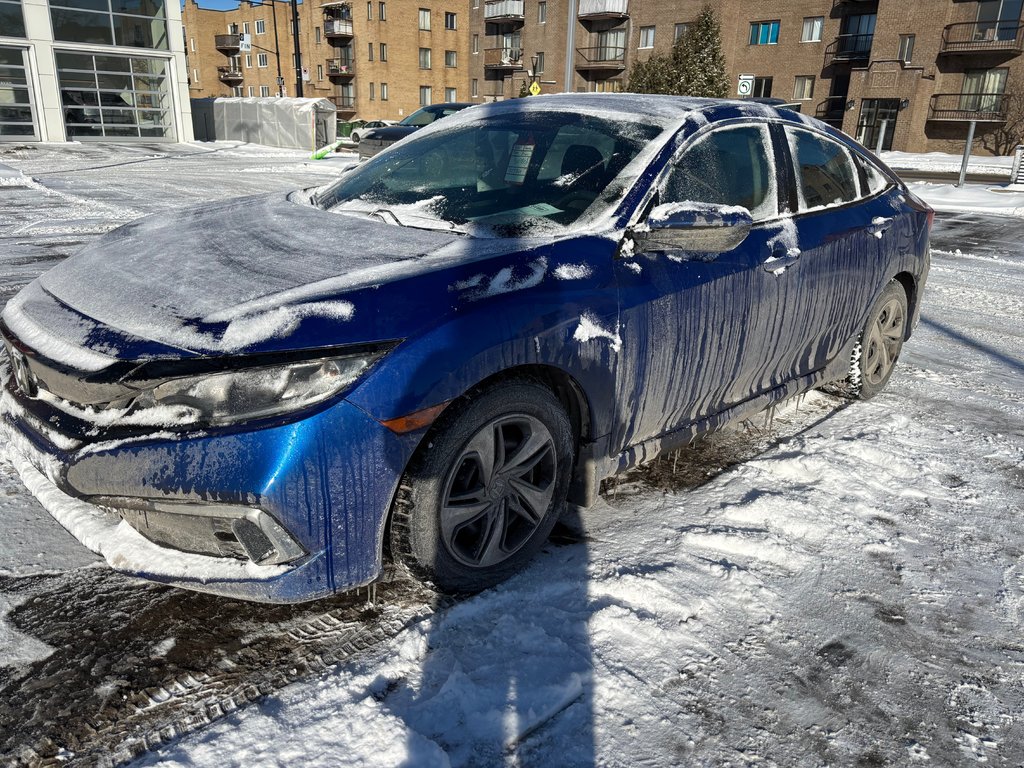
column 877, row 123
column 17, row 120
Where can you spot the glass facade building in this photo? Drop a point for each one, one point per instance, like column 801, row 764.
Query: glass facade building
column 83, row 70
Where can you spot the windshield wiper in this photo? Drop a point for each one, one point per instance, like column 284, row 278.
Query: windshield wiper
column 384, row 214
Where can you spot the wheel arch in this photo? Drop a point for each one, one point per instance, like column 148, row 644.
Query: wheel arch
column 909, row 284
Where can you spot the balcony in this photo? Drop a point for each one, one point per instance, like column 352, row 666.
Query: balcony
column 595, row 10
column 229, row 75
column 959, row 107
column 503, row 58
column 601, row 58
column 983, row 37
column 341, row 68
column 227, row 44
column 343, row 103
column 849, row 49
column 338, row 28
column 504, row 11
column 831, row 110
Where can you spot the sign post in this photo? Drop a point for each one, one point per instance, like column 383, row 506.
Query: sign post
column 745, row 85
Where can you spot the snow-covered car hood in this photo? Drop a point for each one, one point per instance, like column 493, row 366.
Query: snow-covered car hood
column 223, row 277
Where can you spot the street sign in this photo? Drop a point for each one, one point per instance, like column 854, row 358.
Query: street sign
column 535, row 89
column 745, row 85
column 245, row 43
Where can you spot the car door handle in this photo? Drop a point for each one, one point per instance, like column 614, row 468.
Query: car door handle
column 879, row 225
column 781, row 259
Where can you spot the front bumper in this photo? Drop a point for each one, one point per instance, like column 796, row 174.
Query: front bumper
column 327, row 479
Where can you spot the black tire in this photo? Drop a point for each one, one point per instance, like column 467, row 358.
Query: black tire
column 876, row 352
column 486, row 488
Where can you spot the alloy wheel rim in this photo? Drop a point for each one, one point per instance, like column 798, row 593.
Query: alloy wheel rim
column 885, row 337
column 498, row 491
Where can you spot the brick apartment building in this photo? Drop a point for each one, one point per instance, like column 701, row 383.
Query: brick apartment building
column 381, row 61
column 900, row 74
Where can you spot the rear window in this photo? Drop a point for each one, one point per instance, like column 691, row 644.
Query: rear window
column 825, row 174
column 875, row 180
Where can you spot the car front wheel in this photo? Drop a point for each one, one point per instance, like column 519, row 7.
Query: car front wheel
column 485, row 491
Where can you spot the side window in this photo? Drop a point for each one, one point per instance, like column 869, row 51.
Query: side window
column 732, row 166
column 824, row 170
column 876, row 180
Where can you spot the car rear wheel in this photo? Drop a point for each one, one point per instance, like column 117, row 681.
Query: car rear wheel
column 875, row 355
column 485, row 491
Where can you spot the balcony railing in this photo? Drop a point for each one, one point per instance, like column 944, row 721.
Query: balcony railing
column 601, row 57
column 341, row 67
column 504, row 10
column 503, row 58
column 229, row 74
column 344, row 103
column 603, row 9
column 984, row 107
column 226, row 43
column 338, row 28
column 831, row 109
column 849, row 48
column 983, row 37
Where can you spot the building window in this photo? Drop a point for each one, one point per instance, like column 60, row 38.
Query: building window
column 451, row 58
column 804, row 87
column 261, row 59
column 475, row 88
column 192, row 44
column 369, row 51
column 762, row 88
column 144, row 27
column 425, row 19
column 382, row 11
column 383, row 91
column 261, row 27
column 983, row 90
column 252, row 91
column 319, row 71
column 237, row 91
column 140, row 107
column 371, row 92
column 195, row 75
column 812, row 29
column 475, row 44
column 680, row 30
column 245, row 27
column 248, row 60
column 646, row 37
column 764, row 33
column 383, row 51
column 319, row 35
column 264, row 90
column 369, row 10
column 424, row 58
column 449, row 20
column 450, row 95
column 542, row 13
column 12, row 22
column 424, row 95
column 540, row 63
column 906, row 54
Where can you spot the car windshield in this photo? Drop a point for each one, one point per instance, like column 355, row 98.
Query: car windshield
column 422, row 117
column 505, row 175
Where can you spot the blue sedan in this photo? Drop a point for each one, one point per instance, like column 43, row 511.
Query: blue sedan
column 421, row 363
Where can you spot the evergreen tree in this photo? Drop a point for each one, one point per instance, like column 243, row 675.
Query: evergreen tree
column 696, row 66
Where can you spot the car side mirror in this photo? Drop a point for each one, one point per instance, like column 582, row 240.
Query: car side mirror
column 694, row 227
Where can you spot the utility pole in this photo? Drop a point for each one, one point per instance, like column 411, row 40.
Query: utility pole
column 277, row 49
column 298, row 51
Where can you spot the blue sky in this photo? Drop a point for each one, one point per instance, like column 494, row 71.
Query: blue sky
column 220, row 5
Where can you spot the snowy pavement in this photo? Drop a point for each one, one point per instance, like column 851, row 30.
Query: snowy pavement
column 842, row 584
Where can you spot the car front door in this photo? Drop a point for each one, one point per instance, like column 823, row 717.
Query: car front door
column 695, row 326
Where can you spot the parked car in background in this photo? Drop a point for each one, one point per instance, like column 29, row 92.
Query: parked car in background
column 268, row 397
column 373, row 141
column 357, row 133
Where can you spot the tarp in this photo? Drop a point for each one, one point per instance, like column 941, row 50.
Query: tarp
column 276, row 122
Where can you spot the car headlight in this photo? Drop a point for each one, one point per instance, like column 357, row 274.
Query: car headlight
column 229, row 397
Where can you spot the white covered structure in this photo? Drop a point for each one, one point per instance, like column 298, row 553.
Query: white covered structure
column 276, row 122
